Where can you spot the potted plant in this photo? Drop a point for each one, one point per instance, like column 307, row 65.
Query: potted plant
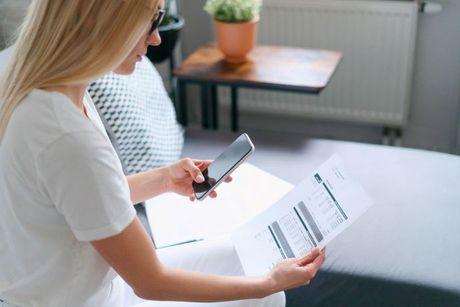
column 236, row 26
column 169, row 32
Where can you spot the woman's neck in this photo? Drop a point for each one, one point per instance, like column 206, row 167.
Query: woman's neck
column 74, row 92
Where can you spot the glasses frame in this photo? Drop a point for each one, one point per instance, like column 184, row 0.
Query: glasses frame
column 157, row 21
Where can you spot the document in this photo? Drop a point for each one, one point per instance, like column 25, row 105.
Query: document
column 310, row 215
column 174, row 219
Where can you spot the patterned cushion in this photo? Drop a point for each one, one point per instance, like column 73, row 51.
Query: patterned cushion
column 141, row 116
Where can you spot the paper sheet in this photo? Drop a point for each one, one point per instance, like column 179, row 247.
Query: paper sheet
column 174, row 219
column 312, row 214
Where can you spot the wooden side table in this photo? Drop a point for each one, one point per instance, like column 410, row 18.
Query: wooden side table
column 268, row 67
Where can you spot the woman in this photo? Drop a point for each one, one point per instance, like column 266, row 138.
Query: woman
column 67, row 223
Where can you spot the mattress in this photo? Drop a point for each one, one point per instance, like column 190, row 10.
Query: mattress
column 405, row 251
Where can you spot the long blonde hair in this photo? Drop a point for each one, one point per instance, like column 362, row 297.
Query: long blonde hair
column 64, row 42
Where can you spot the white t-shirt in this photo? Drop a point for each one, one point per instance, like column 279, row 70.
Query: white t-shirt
column 61, row 186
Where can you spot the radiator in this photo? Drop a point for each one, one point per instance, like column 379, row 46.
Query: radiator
column 373, row 82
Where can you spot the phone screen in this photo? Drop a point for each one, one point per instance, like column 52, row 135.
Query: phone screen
column 223, row 164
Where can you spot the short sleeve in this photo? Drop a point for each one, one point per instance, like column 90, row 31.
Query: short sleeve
column 83, row 177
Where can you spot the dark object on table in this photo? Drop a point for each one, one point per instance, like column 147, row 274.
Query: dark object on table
column 169, row 32
column 169, row 36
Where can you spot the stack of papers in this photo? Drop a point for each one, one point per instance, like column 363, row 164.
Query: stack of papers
column 268, row 219
column 174, row 219
column 310, row 215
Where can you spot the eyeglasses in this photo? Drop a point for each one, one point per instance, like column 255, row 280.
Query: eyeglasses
column 157, row 21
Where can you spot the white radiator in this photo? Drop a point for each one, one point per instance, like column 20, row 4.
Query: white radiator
column 373, row 82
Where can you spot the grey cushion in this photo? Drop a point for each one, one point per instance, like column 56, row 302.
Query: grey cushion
column 141, row 116
column 12, row 13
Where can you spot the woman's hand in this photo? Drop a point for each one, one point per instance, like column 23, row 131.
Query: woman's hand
column 180, row 175
column 295, row 272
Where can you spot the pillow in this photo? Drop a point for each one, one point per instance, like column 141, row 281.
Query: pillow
column 141, row 116
column 12, row 13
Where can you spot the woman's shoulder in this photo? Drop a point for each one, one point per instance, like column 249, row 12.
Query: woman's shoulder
column 51, row 110
column 43, row 117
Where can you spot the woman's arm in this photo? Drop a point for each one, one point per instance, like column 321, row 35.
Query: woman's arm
column 133, row 256
column 177, row 177
column 147, row 184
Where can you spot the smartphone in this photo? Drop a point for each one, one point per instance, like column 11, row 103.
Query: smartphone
column 224, row 165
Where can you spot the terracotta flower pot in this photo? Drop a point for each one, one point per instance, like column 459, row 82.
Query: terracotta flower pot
column 236, row 39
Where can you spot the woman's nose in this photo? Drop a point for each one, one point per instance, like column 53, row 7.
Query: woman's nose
column 154, row 39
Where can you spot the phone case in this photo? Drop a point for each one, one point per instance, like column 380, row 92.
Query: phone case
column 231, row 169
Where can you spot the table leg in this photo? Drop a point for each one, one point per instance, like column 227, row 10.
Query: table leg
column 215, row 106
column 234, row 94
column 205, row 106
column 180, row 102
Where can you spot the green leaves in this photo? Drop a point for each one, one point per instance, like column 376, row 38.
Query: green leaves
column 168, row 19
column 233, row 10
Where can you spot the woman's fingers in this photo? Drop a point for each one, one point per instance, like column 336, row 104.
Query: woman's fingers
column 202, row 164
column 195, row 168
column 309, row 257
column 213, row 194
column 309, row 270
column 314, row 266
column 296, row 272
column 194, row 171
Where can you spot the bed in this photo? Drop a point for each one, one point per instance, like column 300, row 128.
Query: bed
column 405, row 251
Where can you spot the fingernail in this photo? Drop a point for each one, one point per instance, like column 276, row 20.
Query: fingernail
column 199, row 178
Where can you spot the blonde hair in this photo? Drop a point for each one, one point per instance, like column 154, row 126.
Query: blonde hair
column 64, row 42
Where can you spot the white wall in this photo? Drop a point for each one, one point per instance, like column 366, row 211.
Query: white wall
column 436, row 87
column 435, row 107
column 457, row 151
column 434, row 122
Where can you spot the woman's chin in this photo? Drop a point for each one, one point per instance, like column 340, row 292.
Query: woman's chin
column 126, row 69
